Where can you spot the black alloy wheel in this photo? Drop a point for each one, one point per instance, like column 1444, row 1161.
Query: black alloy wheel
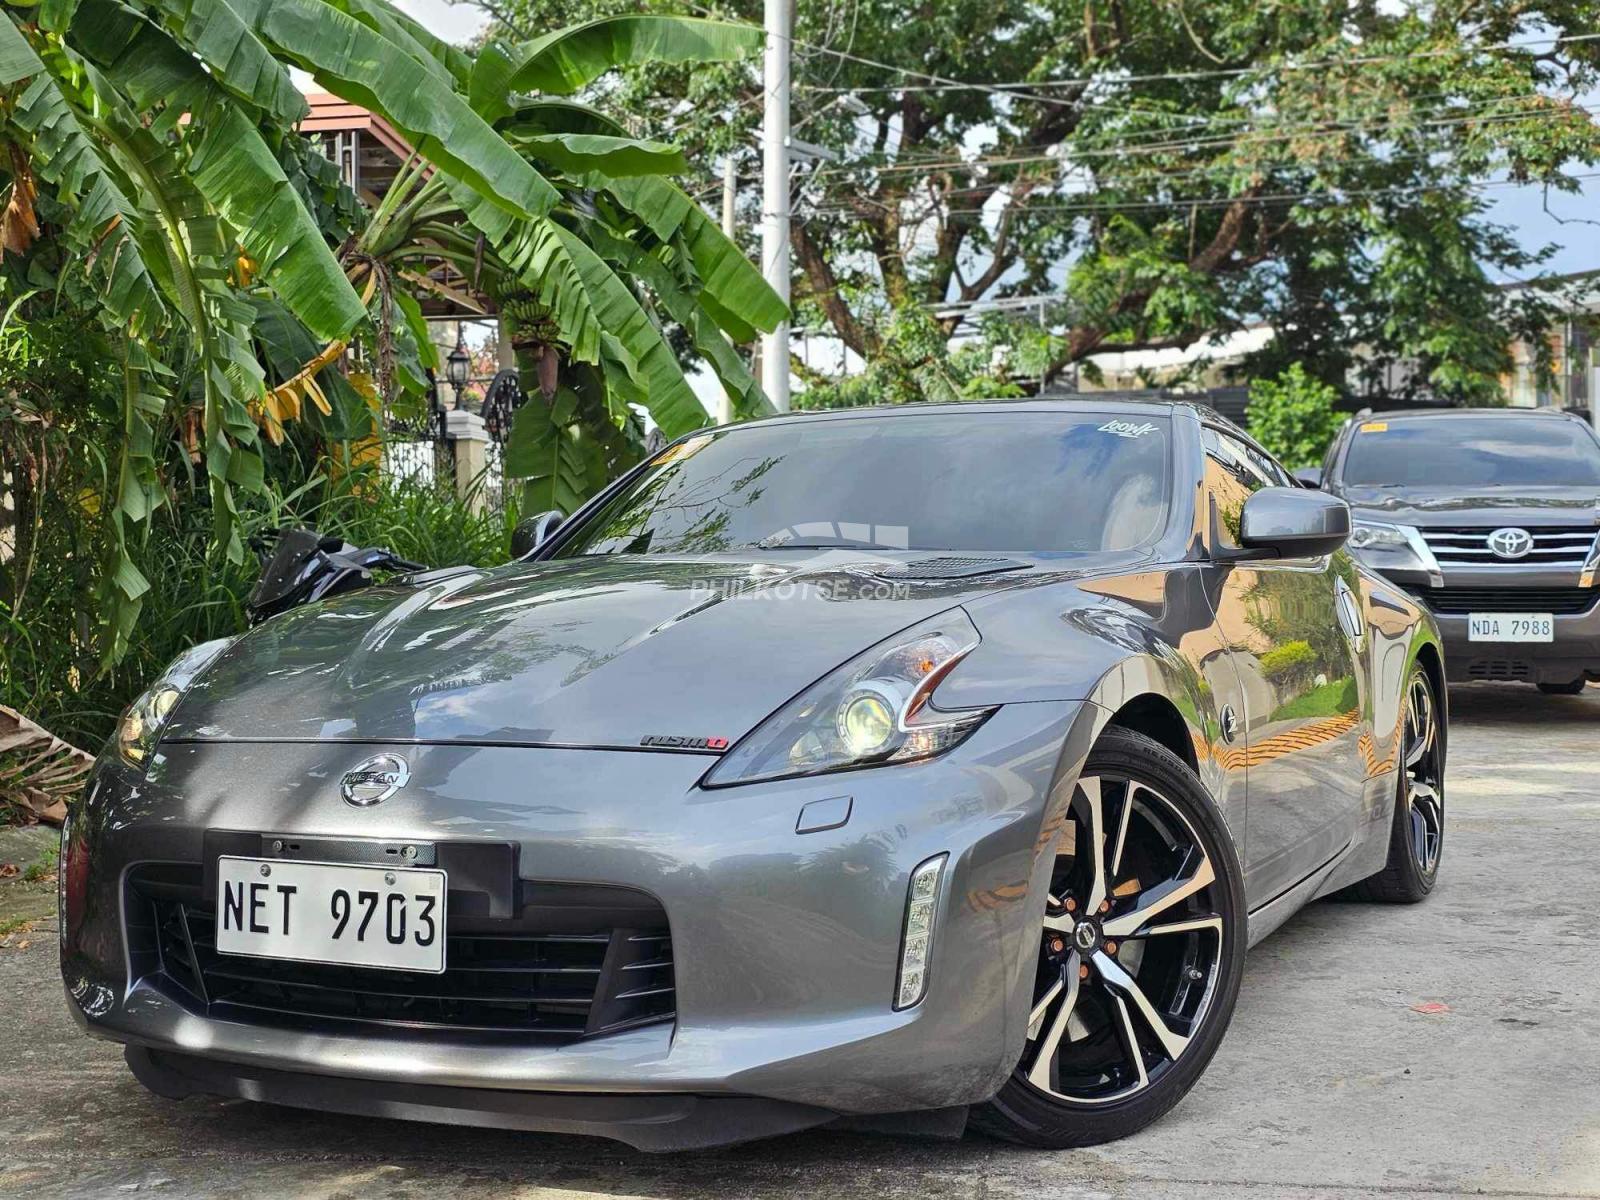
column 1416, row 841
column 1141, row 951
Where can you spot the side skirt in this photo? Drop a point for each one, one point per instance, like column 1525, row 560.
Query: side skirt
column 1285, row 904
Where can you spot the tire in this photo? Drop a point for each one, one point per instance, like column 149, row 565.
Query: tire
column 1109, row 1072
column 1416, row 835
column 1574, row 688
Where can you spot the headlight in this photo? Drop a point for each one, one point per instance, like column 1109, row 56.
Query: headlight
column 1376, row 534
column 877, row 708
column 141, row 725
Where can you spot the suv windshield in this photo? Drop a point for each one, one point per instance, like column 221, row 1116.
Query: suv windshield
column 1449, row 451
column 1042, row 482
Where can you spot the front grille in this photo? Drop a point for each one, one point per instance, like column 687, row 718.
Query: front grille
column 577, row 961
column 1553, row 546
column 1458, row 600
column 1500, row 670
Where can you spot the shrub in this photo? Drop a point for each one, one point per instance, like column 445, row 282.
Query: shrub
column 1288, row 660
column 1293, row 416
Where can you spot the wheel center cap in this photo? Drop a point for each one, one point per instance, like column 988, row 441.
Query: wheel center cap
column 1086, row 936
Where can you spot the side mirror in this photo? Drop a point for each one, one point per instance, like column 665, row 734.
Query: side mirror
column 1284, row 522
column 533, row 532
column 1309, row 477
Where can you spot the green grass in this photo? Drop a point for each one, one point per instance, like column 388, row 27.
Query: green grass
column 1329, row 700
column 45, row 867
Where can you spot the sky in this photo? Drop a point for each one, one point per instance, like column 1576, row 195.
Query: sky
column 1577, row 241
column 453, row 22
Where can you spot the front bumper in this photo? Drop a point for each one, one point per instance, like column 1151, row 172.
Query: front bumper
column 785, row 944
column 1574, row 652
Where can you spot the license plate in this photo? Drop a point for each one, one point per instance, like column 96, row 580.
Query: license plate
column 357, row 916
column 1511, row 627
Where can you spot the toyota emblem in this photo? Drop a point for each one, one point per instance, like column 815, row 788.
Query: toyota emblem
column 375, row 780
column 1511, row 543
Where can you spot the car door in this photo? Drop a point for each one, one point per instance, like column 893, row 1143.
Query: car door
column 1295, row 632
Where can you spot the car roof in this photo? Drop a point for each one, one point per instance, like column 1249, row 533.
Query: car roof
column 1435, row 414
column 1080, row 402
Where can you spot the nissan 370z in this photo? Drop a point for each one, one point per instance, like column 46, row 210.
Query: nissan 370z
column 924, row 768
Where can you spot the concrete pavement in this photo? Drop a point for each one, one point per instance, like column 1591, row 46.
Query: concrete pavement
column 1330, row 1084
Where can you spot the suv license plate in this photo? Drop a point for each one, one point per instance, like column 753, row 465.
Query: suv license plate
column 355, row 916
column 1511, row 627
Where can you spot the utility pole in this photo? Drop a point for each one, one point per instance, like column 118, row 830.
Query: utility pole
column 730, row 183
column 775, row 193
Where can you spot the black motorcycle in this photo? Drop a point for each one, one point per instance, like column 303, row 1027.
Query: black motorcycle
column 301, row 565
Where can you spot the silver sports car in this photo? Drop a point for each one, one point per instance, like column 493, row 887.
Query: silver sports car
column 913, row 767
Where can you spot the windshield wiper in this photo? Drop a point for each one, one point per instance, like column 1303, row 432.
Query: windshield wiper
column 840, row 545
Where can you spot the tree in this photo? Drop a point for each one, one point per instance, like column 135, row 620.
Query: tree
column 1166, row 172
column 1293, row 416
column 153, row 176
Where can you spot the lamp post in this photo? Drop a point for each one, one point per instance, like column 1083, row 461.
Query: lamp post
column 456, row 364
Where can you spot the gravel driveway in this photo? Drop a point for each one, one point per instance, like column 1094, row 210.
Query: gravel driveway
column 1331, row 1083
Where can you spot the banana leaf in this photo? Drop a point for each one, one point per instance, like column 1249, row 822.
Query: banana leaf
column 675, row 295
column 17, row 59
column 105, row 219
column 587, row 298
column 488, row 86
column 567, row 60
column 349, row 58
column 559, row 116
column 736, row 293
column 394, row 26
column 544, row 451
column 581, row 153
column 237, row 60
column 232, row 167
column 236, row 172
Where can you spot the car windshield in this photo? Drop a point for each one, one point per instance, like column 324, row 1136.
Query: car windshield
column 1449, row 451
column 1022, row 481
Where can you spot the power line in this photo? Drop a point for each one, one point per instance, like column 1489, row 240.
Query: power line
column 1025, row 89
column 1186, row 145
column 1180, row 202
column 1286, row 126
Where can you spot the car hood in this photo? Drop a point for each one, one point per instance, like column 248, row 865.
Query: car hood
column 598, row 651
column 1447, row 506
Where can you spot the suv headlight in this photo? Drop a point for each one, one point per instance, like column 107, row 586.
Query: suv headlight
column 1392, row 546
column 140, row 727
column 1374, row 533
column 875, row 709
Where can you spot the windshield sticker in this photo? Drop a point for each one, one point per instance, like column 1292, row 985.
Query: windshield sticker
column 1128, row 429
column 683, row 449
column 1375, row 427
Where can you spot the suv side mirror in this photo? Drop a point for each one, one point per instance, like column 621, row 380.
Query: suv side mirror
column 533, row 532
column 1308, row 477
column 1284, row 522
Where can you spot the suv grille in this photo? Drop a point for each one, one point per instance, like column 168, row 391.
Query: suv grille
column 1500, row 670
column 1558, row 600
column 576, row 962
column 1554, row 546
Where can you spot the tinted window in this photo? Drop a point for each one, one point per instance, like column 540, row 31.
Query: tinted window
column 1530, row 451
column 1253, row 468
column 1048, row 482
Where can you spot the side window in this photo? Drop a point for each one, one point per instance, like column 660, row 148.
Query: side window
column 1231, row 476
column 1263, row 466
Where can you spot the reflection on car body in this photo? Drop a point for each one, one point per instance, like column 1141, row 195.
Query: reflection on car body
column 938, row 761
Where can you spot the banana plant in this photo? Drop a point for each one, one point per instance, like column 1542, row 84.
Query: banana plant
column 162, row 136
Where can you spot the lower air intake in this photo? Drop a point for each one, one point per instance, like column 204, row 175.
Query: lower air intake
column 1500, row 670
column 577, row 961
